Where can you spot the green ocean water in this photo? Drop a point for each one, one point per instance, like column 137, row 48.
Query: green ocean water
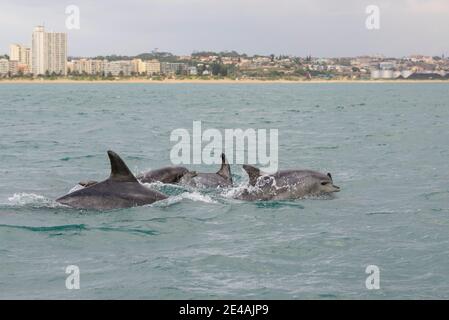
column 386, row 145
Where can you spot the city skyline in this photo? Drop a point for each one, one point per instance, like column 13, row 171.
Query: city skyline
column 321, row 29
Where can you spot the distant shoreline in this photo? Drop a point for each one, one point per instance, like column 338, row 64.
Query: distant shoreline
column 212, row 81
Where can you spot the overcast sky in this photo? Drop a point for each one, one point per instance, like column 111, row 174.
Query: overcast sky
column 326, row 28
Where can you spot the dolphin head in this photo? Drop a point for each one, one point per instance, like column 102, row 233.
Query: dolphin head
column 326, row 185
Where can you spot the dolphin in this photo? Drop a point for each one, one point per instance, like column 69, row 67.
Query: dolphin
column 120, row 190
column 87, row 183
column 286, row 184
column 165, row 175
column 221, row 179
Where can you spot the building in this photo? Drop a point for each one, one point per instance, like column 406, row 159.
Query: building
column 13, row 67
column 387, row 65
column 193, row 71
column 152, row 67
column 21, row 54
column 97, row 66
column 57, row 52
column 118, row 68
column 48, row 52
column 382, row 74
column 139, row 67
column 4, row 67
column 70, row 66
column 86, row 66
column 172, row 68
column 79, row 66
column 38, row 51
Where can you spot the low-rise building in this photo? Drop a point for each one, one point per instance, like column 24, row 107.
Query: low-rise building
column 172, row 68
column 21, row 54
column 118, row 68
column 86, row 66
column 13, row 67
column 152, row 67
column 139, row 66
column 193, row 71
column 4, row 67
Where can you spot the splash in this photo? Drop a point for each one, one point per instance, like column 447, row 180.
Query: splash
column 193, row 196
column 32, row 200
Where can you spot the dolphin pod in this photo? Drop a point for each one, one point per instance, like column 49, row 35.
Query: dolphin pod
column 181, row 175
column 123, row 190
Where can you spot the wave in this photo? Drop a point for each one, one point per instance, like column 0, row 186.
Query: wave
column 435, row 195
column 127, row 230
column 78, row 227
column 274, row 204
column 68, row 227
column 77, row 157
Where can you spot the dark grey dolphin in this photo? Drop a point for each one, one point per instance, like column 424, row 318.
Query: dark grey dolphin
column 286, row 184
column 221, row 179
column 164, row 175
column 120, row 190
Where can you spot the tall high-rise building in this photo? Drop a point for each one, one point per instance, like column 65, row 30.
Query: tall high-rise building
column 49, row 52
column 38, row 51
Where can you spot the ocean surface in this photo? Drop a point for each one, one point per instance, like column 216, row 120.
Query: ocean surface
column 386, row 145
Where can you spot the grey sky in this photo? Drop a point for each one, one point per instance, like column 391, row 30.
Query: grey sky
column 325, row 28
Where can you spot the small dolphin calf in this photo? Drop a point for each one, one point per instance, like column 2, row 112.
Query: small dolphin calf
column 221, row 179
column 164, row 175
column 120, row 190
column 286, row 184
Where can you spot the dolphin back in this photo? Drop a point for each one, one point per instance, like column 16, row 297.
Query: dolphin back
column 119, row 170
column 253, row 173
column 225, row 169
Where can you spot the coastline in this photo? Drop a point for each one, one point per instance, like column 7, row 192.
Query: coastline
column 211, row 81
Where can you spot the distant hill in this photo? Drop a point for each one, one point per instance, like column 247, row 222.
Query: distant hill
column 161, row 56
column 427, row 76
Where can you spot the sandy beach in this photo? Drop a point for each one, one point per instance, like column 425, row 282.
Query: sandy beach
column 211, row 81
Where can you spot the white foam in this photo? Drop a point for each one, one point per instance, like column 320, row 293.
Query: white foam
column 31, row 199
column 194, row 196
column 158, row 184
column 237, row 190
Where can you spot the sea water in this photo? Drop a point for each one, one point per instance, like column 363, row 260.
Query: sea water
column 386, row 145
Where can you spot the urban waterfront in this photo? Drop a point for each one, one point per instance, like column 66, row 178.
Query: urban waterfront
column 48, row 58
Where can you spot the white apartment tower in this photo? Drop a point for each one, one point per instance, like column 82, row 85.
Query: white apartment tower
column 38, row 51
column 49, row 52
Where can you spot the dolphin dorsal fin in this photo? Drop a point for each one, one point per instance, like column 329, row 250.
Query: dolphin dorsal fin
column 253, row 173
column 225, row 170
column 119, row 170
